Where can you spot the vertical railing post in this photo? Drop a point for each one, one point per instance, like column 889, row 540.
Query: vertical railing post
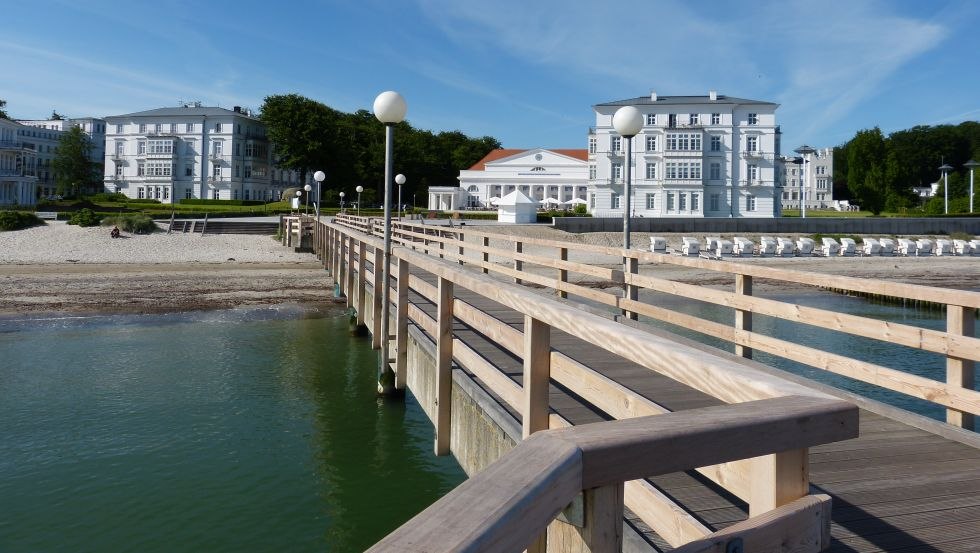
column 350, row 291
column 601, row 529
column 537, row 375
column 486, row 254
column 518, row 264
column 778, row 479
column 442, row 244
column 743, row 317
column 401, row 326
column 960, row 373
column 361, row 280
column 630, row 291
column 444, row 362
column 378, row 301
column 562, row 273
column 460, row 239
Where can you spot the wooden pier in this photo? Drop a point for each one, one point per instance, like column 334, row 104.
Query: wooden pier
column 698, row 449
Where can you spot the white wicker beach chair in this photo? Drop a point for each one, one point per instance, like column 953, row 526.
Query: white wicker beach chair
column 830, row 246
column 767, row 246
column 924, row 246
column 724, row 247
column 887, row 246
column 690, row 246
column 962, row 247
column 743, row 246
column 847, row 247
column 804, row 246
column 658, row 244
column 976, row 246
column 785, row 247
column 907, row 247
column 871, row 246
column 943, row 247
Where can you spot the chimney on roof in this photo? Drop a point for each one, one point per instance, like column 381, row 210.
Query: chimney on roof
column 712, row 95
column 238, row 109
column 653, row 95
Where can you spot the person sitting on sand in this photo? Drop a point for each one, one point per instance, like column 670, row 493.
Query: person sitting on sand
column 115, row 232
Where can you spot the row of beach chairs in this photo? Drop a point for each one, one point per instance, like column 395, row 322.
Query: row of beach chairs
column 784, row 247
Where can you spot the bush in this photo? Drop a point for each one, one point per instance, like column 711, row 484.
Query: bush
column 143, row 201
column 16, row 220
column 85, row 217
column 203, row 201
column 136, row 223
column 108, row 197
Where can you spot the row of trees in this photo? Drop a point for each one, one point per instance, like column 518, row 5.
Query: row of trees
column 349, row 148
column 879, row 172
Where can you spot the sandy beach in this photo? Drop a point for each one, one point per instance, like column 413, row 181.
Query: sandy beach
column 62, row 268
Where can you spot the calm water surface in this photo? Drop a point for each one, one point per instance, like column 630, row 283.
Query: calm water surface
column 225, row 431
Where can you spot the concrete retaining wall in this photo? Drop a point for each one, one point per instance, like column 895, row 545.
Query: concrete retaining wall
column 782, row 225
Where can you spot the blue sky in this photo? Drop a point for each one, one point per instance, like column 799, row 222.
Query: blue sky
column 526, row 72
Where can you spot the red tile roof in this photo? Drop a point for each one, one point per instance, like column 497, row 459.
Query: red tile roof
column 501, row 153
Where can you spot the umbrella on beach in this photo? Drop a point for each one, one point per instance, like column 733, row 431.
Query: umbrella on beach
column 493, row 200
column 576, row 201
column 551, row 201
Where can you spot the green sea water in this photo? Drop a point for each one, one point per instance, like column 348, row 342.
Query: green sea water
column 240, row 430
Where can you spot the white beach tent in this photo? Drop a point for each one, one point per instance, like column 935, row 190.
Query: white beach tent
column 576, row 201
column 551, row 201
column 516, row 207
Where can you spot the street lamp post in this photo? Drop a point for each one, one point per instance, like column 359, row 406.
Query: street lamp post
column 342, row 202
column 804, row 151
column 399, row 180
column 299, row 194
column 307, row 188
column 359, row 189
column 318, row 177
column 390, row 109
column 945, row 168
column 628, row 121
column 971, row 165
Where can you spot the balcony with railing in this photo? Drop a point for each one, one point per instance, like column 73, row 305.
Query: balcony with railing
column 755, row 182
column 12, row 145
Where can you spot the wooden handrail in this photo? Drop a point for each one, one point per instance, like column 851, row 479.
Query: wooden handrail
column 506, row 506
column 959, row 346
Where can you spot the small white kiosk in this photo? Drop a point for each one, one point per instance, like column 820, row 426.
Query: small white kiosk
column 517, row 208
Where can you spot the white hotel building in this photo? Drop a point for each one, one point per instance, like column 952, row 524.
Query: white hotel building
column 696, row 156
column 819, row 185
column 18, row 159
column 192, row 152
column 46, row 142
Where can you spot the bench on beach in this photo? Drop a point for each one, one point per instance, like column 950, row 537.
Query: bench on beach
column 50, row 215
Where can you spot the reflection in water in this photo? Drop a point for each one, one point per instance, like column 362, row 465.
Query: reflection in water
column 910, row 360
column 223, row 431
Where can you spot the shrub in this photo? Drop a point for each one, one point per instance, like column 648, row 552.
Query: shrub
column 205, row 201
column 580, row 209
column 143, row 201
column 16, row 220
column 108, row 197
column 136, row 223
column 85, row 217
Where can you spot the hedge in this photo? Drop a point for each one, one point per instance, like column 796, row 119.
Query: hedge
column 201, row 201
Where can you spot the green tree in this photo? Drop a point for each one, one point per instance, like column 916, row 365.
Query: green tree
column 865, row 150
column 301, row 129
column 874, row 192
column 72, row 167
column 3, row 112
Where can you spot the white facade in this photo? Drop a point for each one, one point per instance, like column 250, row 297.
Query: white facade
column 696, row 156
column 819, row 186
column 538, row 173
column 47, row 142
column 18, row 165
column 169, row 154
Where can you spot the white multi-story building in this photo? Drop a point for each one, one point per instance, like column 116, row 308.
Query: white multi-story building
column 18, row 162
column 539, row 173
column 192, row 152
column 93, row 127
column 819, row 186
column 696, row 156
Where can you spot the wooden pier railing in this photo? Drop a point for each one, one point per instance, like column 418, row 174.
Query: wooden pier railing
column 551, row 267
column 766, row 479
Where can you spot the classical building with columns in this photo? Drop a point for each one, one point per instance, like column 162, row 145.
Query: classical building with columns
column 93, row 127
column 192, row 152
column 695, row 156
column 18, row 164
column 539, row 173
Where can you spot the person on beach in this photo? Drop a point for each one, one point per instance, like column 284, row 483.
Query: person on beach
column 115, row 232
